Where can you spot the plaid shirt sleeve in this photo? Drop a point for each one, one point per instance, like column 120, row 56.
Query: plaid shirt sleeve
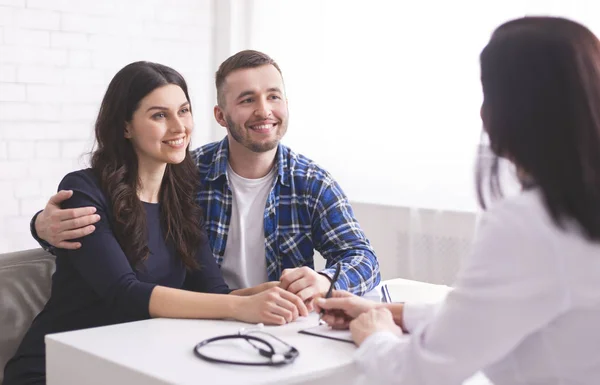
column 337, row 236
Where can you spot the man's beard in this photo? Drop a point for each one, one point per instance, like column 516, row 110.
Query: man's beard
column 237, row 132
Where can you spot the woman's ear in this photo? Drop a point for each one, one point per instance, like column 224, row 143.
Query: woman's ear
column 127, row 131
column 483, row 112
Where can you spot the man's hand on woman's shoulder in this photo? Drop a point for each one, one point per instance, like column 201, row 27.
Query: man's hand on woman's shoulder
column 57, row 226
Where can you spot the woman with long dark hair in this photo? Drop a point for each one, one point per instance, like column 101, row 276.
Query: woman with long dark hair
column 525, row 307
column 149, row 254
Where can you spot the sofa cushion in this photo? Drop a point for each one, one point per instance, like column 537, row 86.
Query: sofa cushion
column 25, row 282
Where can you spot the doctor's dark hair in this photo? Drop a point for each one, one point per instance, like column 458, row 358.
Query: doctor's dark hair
column 115, row 163
column 541, row 110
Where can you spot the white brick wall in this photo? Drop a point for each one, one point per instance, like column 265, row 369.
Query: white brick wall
column 56, row 60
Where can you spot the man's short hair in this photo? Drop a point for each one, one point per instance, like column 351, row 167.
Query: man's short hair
column 241, row 60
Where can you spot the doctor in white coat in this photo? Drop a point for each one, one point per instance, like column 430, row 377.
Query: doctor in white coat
column 525, row 308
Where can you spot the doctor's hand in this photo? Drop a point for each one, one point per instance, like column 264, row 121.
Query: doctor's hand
column 373, row 321
column 304, row 282
column 342, row 308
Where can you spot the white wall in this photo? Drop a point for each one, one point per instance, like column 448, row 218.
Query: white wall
column 383, row 93
column 56, row 60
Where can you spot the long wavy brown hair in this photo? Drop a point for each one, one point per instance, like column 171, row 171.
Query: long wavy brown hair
column 115, row 163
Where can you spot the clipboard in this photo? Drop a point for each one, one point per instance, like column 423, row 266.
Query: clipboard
column 385, row 294
column 324, row 331
column 413, row 292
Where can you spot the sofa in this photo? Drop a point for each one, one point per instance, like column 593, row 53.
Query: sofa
column 25, row 282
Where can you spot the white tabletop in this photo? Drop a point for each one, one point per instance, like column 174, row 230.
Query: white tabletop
column 160, row 351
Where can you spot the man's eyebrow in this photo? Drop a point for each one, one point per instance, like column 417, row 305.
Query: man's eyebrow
column 249, row 92
column 245, row 93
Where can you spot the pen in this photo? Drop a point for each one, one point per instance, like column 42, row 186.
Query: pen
column 338, row 267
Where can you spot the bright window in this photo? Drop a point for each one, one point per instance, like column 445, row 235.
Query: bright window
column 386, row 94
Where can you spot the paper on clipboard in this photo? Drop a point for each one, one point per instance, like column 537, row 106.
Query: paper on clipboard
column 325, row 331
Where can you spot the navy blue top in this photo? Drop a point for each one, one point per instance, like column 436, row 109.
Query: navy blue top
column 96, row 286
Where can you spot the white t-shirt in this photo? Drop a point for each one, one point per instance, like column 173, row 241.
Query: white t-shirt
column 525, row 309
column 244, row 262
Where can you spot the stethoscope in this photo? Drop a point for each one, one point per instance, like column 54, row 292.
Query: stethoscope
column 266, row 350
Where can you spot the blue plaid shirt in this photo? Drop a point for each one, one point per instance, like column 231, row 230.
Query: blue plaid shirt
column 305, row 210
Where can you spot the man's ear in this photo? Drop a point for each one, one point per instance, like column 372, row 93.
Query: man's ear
column 127, row 131
column 220, row 116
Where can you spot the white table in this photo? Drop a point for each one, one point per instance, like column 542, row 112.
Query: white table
column 160, row 351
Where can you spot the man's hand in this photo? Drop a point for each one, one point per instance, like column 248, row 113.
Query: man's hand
column 273, row 306
column 55, row 225
column 373, row 321
column 342, row 308
column 304, row 282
